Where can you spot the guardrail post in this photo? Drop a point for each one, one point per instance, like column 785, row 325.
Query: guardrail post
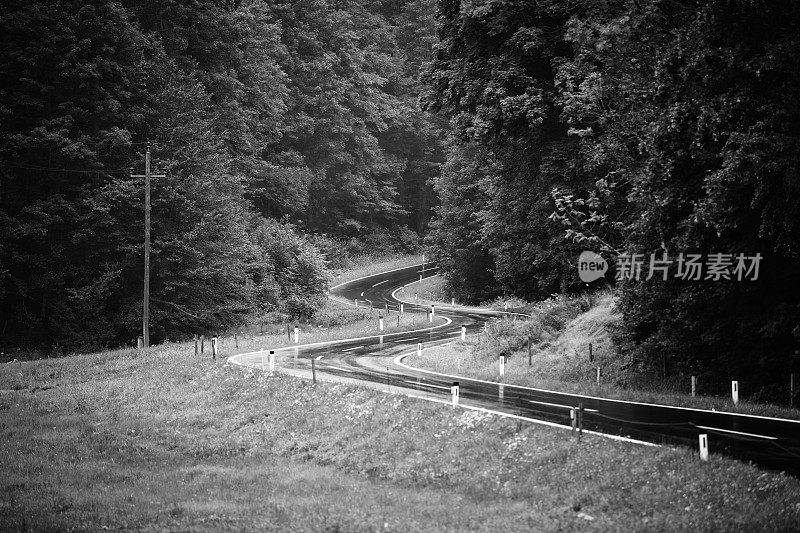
column 703, row 446
column 454, row 393
column 530, row 351
column 735, row 392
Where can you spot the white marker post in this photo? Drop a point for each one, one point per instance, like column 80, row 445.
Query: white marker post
column 598, row 375
column 272, row 361
column 296, row 334
column 419, row 348
column 433, row 312
column 261, row 354
column 380, row 323
column 506, row 306
column 401, row 308
column 463, row 333
column 502, row 365
column 703, row 447
column 213, row 347
column 694, row 386
column 735, row 392
column 453, row 302
column 454, row 393
column 573, row 420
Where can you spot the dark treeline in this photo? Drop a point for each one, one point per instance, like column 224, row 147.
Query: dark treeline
column 289, row 134
column 646, row 127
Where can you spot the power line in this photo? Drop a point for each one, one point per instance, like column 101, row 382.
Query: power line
column 53, row 169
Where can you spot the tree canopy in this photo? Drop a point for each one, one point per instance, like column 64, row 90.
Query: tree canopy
column 277, row 124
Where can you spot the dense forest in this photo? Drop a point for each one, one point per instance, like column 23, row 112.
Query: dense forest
column 289, row 135
column 512, row 135
column 663, row 128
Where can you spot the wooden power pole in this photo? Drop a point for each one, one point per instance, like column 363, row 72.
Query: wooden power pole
column 146, row 303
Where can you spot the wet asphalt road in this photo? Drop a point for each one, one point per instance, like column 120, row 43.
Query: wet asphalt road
column 769, row 442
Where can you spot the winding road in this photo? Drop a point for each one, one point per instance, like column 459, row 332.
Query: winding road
column 377, row 360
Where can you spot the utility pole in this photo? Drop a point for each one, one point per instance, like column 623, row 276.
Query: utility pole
column 146, row 302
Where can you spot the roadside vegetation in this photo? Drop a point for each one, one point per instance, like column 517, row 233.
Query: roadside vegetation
column 430, row 290
column 561, row 329
column 164, row 440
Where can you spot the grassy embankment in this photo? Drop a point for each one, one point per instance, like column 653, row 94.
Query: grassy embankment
column 428, row 291
column 164, row 440
column 562, row 329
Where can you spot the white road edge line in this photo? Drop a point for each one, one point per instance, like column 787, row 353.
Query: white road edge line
column 319, row 357
column 426, row 384
column 380, row 283
column 353, row 348
column 445, row 305
column 234, row 359
column 518, row 417
column 708, row 428
column 629, row 402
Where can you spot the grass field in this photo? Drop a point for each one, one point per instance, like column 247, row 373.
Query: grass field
column 166, row 441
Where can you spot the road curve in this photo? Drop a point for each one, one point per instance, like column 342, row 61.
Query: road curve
column 771, row 442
